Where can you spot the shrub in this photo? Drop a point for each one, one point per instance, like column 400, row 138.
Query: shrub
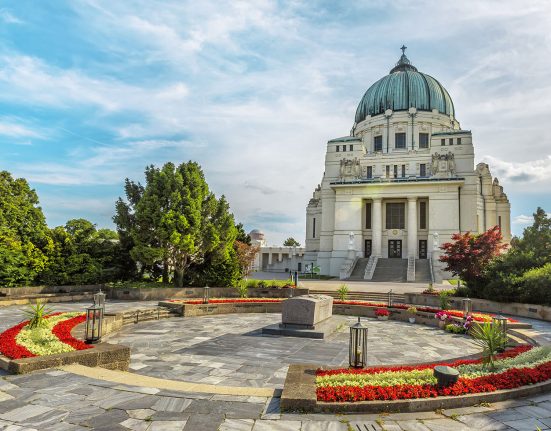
column 36, row 314
column 455, row 328
column 491, row 339
column 444, row 300
column 342, row 292
column 242, row 290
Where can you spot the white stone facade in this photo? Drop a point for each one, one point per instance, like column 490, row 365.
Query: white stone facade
column 276, row 258
column 434, row 181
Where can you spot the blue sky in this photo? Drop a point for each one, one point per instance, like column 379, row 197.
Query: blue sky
column 92, row 91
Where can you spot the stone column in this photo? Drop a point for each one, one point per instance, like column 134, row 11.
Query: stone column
column 377, row 228
column 270, row 257
column 412, row 227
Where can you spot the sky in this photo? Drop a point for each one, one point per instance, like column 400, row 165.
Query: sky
column 92, row 91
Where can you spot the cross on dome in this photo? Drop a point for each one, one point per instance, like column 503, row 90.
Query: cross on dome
column 403, row 48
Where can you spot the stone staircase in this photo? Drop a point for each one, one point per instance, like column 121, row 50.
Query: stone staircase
column 391, row 270
column 422, row 271
column 359, row 269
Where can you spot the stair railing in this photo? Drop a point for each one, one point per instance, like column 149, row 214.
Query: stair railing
column 411, row 269
column 347, row 267
column 431, row 270
column 370, row 267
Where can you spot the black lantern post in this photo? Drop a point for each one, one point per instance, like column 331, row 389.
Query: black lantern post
column 467, row 307
column 94, row 323
column 206, row 295
column 357, row 353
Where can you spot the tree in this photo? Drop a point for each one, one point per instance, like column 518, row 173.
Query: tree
column 245, row 255
column 24, row 235
column 176, row 222
column 81, row 254
column 468, row 254
column 291, row 242
column 242, row 236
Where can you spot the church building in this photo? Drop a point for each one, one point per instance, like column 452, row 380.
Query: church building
column 400, row 185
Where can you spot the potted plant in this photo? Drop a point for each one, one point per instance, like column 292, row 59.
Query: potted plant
column 382, row 313
column 412, row 311
column 442, row 318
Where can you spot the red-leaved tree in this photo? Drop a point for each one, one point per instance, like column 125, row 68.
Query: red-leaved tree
column 468, row 254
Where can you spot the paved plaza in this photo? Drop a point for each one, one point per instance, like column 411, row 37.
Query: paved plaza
column 229, row 350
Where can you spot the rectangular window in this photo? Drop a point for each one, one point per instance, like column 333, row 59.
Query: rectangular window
column 338, row 148
column 387, row 171
column 400, row 140
column 395, row 171
column 395, row 215
column 351, row 147
column 422, row 215
column 422, row 170
column 458, row 141
column 442, row 142
column 423, row 140
column 499, row 222
column 370, row 172
column 368, row 215
column 451, row 141
column 403, row 171
column 378, row 143
column 314, row 227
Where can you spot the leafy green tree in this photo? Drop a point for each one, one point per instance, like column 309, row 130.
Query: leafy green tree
column 242, row 236
column 81, row 254
column 291, row 242
column 175, row 222
column 24, row 235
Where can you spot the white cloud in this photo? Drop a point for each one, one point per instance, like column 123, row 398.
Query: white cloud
column 8, row 17
column 523, row 219
column 17, row 130
column 521, row 174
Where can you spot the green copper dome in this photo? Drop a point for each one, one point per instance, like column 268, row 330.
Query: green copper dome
column 403, row 88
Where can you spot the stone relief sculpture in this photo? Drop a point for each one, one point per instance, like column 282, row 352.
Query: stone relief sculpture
column 443, row 164
column 350, row 168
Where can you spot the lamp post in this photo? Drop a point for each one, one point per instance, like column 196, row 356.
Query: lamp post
column 502, row 323
column 206, row 295
column 357, row 350
column 467, row 307
column 99, row 299
column 94, row 323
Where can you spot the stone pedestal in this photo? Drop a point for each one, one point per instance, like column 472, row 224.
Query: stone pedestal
column 308, row 316
column 306, row 311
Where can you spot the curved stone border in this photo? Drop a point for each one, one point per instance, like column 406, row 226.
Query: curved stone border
column 102, row 355
column 299, row 394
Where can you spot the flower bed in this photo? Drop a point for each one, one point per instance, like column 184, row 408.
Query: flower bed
column 20, row 341
column 226, row 300
column 478, row 317
column 514, row 368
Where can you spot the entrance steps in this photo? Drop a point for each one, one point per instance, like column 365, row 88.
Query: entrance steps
column 391, row 270
column 422, row 271
column 359, row 269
